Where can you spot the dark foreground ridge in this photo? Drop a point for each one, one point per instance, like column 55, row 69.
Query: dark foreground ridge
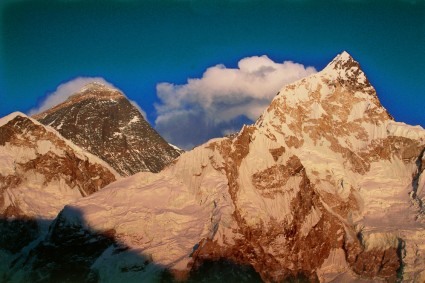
column 69, row 254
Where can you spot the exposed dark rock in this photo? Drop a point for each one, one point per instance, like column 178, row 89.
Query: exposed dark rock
column 102, row 121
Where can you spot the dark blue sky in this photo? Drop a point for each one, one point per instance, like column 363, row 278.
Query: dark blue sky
column 137, row 44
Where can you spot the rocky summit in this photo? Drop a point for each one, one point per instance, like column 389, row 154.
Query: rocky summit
column 324, row 187
column 103, row 121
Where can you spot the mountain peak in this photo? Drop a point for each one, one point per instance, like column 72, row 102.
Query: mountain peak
column 11, row 116
column 347, row 71
column 93, row 91
column 340, row 92
column 100, row 119
column 343, row 61
column 344, row 56
column 97, row 90
column 98, row 86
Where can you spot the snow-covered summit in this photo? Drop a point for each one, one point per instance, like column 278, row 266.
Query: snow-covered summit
column 343, row 60
column 347, row 69
column 338, row 100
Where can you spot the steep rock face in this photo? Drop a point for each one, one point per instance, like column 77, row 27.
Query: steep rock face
column 37, row 161
column 102, row 121
column 325, row 186
column 40, row 173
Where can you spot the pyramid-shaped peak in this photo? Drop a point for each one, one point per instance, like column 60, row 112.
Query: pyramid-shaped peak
column 344, row 68
column 102, row 120
column 343, row 61
column 341, row 83
column 344, row 56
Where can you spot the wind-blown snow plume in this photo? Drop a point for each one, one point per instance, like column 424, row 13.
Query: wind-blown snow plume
column 222, row 99
column 65, row 90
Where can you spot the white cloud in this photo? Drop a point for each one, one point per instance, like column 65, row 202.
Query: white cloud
column 65, row 90
column 222, row 98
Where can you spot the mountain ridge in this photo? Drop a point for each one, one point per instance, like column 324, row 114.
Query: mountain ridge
column 40, row 172
column 27, row 145
column 325, row 186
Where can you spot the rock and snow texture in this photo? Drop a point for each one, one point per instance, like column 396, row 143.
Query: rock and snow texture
column 324, row 186
column 102, row 121
column 40, row 172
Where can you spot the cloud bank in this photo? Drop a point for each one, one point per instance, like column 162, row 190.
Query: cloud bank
column 65, row 90
column 222, row 100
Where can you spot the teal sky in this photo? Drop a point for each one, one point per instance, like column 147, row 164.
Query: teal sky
column 137, row 44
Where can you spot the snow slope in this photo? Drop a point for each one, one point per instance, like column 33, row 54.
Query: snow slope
column 30, row 155
column 40, row 172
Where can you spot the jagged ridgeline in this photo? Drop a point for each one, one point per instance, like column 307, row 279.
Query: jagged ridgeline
column 325, row 186
column 40, row 172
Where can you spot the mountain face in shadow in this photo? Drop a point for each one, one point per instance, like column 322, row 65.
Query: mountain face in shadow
column 73, row 253
column 16, row 234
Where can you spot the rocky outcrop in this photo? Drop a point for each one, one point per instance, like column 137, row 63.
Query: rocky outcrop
column 102, row 121
column 40, row 172
column 41, row 159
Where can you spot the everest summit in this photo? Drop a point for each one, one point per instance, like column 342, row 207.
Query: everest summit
column 101, row 120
